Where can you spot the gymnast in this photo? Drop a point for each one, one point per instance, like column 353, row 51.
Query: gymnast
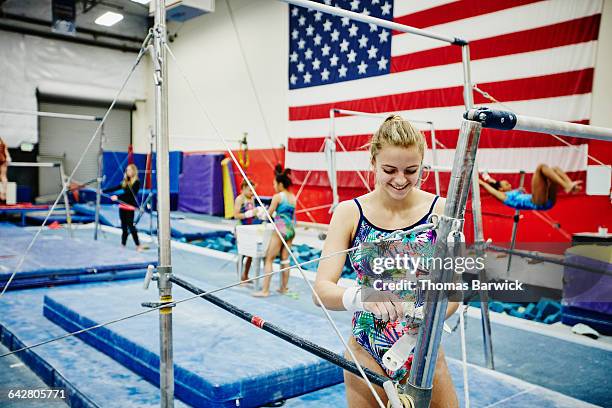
column 543, row 189
column 246, row 212
column 5, row 159
column 283, row 209
column 127, row 203
column 396, row 151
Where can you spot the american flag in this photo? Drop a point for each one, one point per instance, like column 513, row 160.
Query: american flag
column 536, row 57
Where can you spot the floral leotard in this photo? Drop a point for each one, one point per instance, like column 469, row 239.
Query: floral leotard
column 377, row 336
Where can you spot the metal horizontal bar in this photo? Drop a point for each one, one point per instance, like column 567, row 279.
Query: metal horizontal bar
column 563, row 128
column 32, row 164
column 506, row 120
column 292, row 338
column 536, row 256
column 489, row 170
column 376, row 115
column 374, row 20
column 79, row 29
column 61, row 37
column 51, row 115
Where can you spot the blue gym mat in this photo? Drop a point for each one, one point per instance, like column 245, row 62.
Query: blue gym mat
column 556, row 364
column 38, row 217
column 109, row 215
column 91, row 379
column 220, row 361
column 55, row 258
column 487, row 389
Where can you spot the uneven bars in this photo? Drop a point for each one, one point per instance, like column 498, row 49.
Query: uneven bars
column 52, row 115
column 505, row 120
column 448, row 169
column 32, row 164
column 377, row 115
column 374, row 20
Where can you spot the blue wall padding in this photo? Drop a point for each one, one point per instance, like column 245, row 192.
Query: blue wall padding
column 219, row 359
column 175, row 167
column 24, row 194
column 54, row 257
column 109, row 215
column 588, row 290
column 201, row 184
column 114, row 164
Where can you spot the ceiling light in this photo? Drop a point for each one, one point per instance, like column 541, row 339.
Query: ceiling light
column 109, row 18
column 141, row 1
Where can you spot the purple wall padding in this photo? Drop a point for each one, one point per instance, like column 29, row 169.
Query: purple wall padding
column 588, row 290
column 201, row 184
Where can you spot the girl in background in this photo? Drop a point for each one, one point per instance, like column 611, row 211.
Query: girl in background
column 283, row 210
column 5, row 159
column 544, row 184
column 127, row 203
column 245, row 211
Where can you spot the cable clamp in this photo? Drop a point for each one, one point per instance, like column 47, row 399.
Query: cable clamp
column 156, row 305
column 434, row 219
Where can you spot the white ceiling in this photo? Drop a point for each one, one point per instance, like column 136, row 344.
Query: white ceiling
column 134, row 23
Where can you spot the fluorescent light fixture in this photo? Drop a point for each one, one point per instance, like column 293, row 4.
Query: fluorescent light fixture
column 141, row 1
column 109, row 18
column 26, row 147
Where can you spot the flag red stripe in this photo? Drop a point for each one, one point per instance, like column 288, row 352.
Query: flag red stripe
column 319, row 178
column 547, row 86
column 489, row 138
column 348, row 179
column 556, row 35
column 458, row 10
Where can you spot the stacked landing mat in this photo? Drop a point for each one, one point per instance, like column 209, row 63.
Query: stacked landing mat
column 220, row 361
column 57, row 259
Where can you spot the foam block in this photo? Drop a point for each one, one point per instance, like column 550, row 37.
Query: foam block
column 220, row 361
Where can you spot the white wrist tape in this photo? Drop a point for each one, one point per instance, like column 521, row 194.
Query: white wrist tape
column 249, row 214
column 351, row 299
column 261, row 213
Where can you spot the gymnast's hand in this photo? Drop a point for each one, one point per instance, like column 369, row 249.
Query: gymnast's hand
column 384, row 305
column 387, row 307
column 114, row 198
column 261, row 213
column 249, row 214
